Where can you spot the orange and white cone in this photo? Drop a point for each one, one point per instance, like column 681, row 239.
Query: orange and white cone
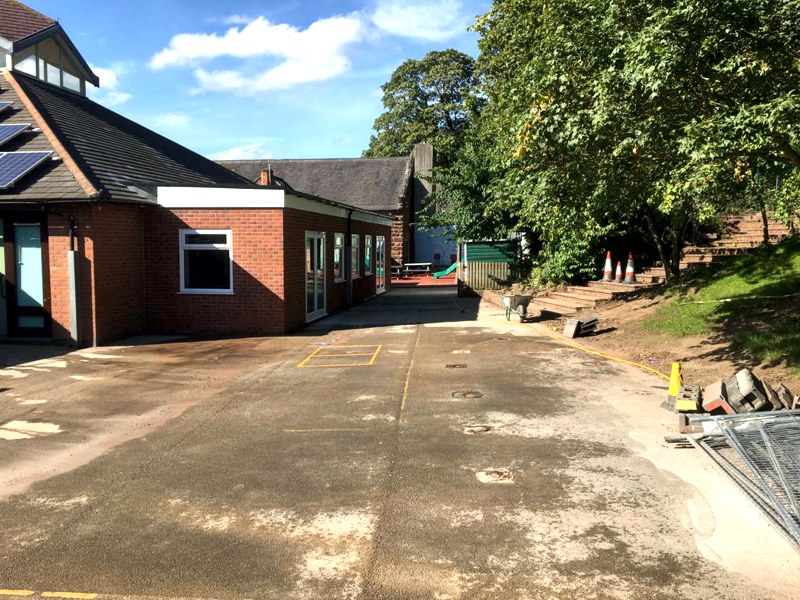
column 630, row 271
column 618, row 278
column 608, row 271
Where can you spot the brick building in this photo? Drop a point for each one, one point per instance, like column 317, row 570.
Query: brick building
column 108, row 229
column 393, row 186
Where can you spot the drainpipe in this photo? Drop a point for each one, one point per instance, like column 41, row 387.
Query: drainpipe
column 73, row 267
column 349, row 259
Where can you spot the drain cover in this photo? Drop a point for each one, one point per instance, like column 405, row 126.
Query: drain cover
column 467, row 394
column 495, row 476
column 477, row 429
column 456, row 366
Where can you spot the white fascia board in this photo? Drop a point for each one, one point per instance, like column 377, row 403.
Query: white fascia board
column 221, row 198
column 322, row 208
column 6, row 44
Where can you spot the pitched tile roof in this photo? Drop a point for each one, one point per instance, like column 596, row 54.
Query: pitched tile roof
column 368, row 183
column 51, row 180
column 18, row 21
column 110, row 152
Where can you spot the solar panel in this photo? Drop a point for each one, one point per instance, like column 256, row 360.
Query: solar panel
column 14, row 165
column 9, row 132
column 5, row 105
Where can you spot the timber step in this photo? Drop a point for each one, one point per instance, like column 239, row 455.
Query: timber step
column 572, row 299
column 617, row 287
column 591, row 294
column 544, row 303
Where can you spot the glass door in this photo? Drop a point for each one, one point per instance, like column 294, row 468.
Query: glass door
column 380, row 264
column 25, row 282
column 315, row 275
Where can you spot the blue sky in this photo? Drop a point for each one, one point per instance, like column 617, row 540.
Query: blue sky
column 246, row 79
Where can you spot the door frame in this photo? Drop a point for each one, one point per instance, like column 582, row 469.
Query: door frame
column 13, row 310
column 380, row 265
column 317, row 236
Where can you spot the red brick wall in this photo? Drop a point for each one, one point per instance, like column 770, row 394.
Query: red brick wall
column 296, row 224
column 118, row 270
column 255, row 307
column 130, row 271
column 58, row 246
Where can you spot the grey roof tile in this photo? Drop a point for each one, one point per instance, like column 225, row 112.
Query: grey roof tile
column 367, row 183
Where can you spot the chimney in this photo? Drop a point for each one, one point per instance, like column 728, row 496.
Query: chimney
column 266, row 177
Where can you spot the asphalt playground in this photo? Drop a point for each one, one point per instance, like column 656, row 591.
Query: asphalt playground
column 417, row 447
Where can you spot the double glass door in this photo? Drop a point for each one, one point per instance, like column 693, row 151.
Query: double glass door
column 315, row 275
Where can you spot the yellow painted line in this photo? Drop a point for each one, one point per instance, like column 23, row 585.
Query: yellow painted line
column 366, row 364
column 77, row 595
column 542, row 331
column 308, row 358
column 321, row 430
column 374, row 356
column 308, row 363
column 346, row 354
column 17, row 592
column 403, row 418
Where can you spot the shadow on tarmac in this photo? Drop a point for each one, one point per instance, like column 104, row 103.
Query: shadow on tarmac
column 403, row 306
column 13, row 354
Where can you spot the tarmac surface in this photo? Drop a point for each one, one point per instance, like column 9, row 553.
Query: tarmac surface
column 414, row 447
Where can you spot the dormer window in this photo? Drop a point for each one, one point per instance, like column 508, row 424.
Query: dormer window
column 47, row 61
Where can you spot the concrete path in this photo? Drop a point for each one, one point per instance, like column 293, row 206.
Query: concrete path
column 411, row 448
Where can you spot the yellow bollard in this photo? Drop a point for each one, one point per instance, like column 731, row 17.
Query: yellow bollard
column 675, row 383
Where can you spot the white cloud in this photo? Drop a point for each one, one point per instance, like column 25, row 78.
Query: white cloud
column 430, row 21
column 109, row 93
column 251, row 150
column 173, row 120
column 313, row 54
column 237, row 20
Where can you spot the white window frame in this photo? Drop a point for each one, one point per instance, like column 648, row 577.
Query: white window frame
column 355, row 255
column 338, row 238
column 182, row 245
column 368, row 258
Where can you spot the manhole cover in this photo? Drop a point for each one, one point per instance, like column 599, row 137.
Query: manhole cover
column 495, row 476
column 467, row 394
column 477, row 429
column 456, row 366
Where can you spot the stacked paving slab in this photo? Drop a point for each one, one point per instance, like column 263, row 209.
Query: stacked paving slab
column 739, row 234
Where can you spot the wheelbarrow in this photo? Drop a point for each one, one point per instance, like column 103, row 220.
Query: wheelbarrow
column 518, row 304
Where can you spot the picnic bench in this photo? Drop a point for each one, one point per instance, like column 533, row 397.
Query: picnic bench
column 417, row 268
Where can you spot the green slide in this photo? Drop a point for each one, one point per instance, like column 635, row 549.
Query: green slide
column 447, row 271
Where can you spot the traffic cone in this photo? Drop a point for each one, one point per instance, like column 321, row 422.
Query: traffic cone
column 675, row 384
column 608, row 271
column 630, row 271
column 618, row 278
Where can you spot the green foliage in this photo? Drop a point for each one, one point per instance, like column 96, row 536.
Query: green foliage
column 430, row 100
column 606, row 113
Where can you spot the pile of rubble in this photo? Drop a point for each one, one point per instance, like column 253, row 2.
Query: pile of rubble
column 742, row 393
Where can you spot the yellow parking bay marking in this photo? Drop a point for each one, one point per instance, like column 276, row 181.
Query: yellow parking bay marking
column 77, row 595
column 17, row 592
column 330, row 357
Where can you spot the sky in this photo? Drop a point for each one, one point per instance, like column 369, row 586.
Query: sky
column 247, row 79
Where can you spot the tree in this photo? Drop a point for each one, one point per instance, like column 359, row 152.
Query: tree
column 603, row 113
column 430, row 100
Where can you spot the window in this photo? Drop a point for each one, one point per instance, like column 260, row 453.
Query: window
column 354, row 255
column 206, row 261
column 368, row 255
column 338, row 257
